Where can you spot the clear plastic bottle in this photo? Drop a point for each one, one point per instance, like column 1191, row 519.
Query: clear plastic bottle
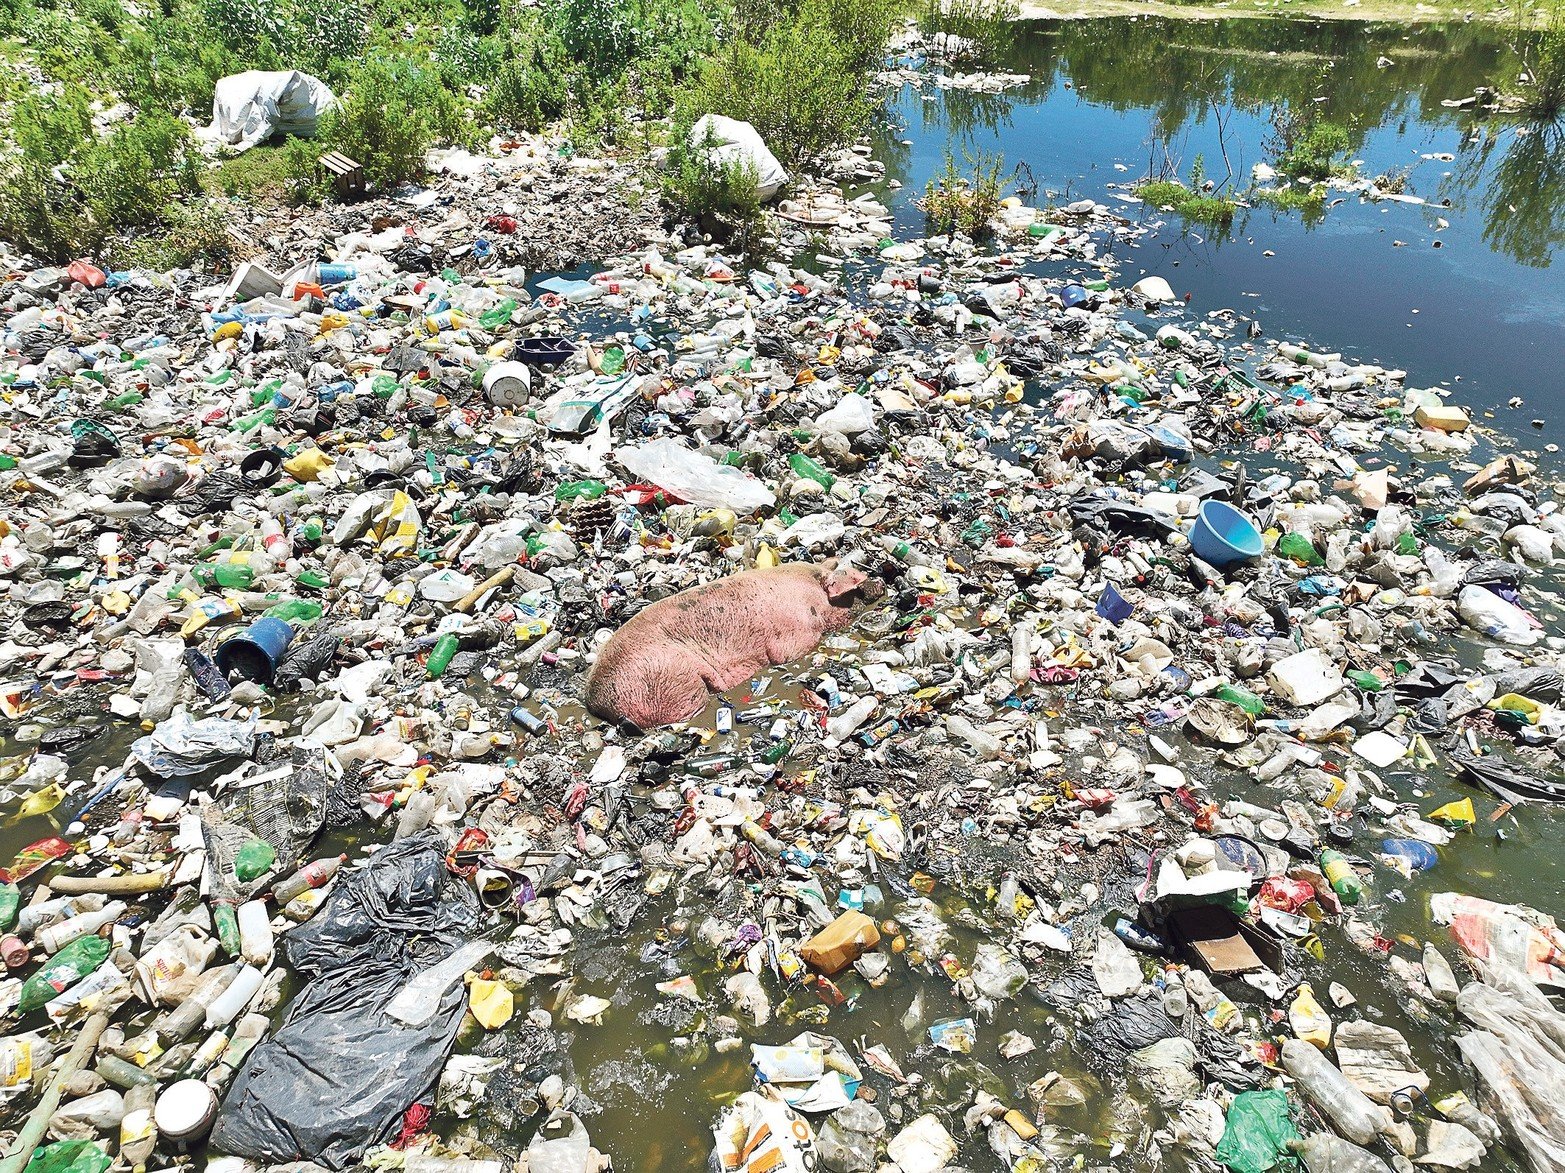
column 1350, row 1111
column 1325, row 1153
column 417, row 1001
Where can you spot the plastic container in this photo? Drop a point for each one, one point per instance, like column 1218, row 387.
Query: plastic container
column 185, row 1113
column 1417, row 854
column 255, row 654
column 1350, row 1111
column 1223, row 536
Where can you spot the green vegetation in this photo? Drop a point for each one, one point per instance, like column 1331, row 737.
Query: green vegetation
column 1310, row 146
column 722, row 196
column 410, row 75
column 64, row 189
column 954, row 202
column 1542, row 54
column 799, row 80
column 1194, row 203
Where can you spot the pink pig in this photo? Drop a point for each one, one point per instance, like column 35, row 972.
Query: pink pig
column 659, row 667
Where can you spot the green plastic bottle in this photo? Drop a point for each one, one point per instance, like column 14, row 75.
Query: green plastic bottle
column 10, row 901
column 234, row 576
column 62, row 971
column 440, row 656
column 226, row 919
column 1242, row 697
column 807, row 468
column 254, row 860
column 1300, row 549
column 1340, row 875
column 493, row 319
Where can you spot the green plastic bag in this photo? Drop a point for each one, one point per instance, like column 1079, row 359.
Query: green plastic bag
column 1256, row 1136
column 69, row 1156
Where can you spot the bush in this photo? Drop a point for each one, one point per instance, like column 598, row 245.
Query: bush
column 287, row 34
column 389, row 119
column 802, row 85
column 126, row 179
column 1212, row 210
column 722, row 196
column 196, row 235
column 531, row 88
column 601, row 36
column 954, row 202
column 1310, row 147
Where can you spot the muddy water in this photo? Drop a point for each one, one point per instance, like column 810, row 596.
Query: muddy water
column 1106, row 94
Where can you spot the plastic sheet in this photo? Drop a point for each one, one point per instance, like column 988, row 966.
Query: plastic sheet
column 339, row 1073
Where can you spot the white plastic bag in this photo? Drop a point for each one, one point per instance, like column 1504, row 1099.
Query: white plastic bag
column 732, row 141
column 1483, row 610
column 694, row 477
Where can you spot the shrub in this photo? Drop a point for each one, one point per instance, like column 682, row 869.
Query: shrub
column 1309, row 146
column 1212, row 210
column 126, row 179
column 801, row 85
column 197, row 234
column 531, row 89
column 1309, row 201
column 954, row 202
column 602, row 36
column 722, row 196
column 389, row 119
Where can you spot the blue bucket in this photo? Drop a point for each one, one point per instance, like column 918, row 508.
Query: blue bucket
column 255, row 654
column 1223, row 536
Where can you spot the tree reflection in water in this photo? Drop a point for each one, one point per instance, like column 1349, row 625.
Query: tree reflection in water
column 1517, row 176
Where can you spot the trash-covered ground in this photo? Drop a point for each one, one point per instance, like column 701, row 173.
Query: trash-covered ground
column 1069, row 770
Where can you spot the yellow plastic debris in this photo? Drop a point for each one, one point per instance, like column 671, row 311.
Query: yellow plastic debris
column 491, row 1002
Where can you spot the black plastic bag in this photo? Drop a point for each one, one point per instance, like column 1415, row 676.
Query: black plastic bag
column 339, row 1073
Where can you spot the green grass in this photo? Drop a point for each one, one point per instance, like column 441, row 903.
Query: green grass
column 1317, row 151
column 1214, row 210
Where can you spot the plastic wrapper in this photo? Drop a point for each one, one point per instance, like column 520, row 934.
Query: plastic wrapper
column 694, row 477
column 1257, row 1132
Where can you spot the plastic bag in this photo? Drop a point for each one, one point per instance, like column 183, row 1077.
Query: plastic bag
column 339, row 1073
column 694, row 477
column 759, row 1133
column 1504, row 934
column 1257, row 1133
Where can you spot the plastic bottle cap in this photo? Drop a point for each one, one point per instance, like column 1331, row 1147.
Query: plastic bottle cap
column 185, row 1110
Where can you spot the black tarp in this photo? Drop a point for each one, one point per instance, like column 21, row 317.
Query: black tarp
column 339, row 1074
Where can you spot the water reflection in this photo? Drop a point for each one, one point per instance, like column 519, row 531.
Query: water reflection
column 1517, row 175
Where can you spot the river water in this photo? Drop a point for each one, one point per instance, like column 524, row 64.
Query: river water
column 1110, row 100
column 1482, row 314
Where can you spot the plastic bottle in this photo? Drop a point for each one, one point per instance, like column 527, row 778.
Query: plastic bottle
column 803, row 466
column 440, row 656
column 1242, row 697
column 122, row 1073
column 1336, row 1097
column 255, row 932
column 316, row 874
column 1340, row 875
column 180, row 1022
column 760, row 837
column 1310, row 1022
column 63, row 970
column 417, row 1001
column 843, row 725
column 138, row 1133
column 57, row 936
column 417, row 814
column 1005, row 896
column 1323, row 1152
column 227, row 922
column 227, row 1006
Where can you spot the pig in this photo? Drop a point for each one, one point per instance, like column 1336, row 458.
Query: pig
column 659, row 667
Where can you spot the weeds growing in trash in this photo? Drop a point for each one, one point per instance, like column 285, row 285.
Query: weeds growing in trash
column 968, row 202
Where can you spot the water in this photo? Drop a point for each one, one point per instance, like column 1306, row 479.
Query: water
column 1110, row 100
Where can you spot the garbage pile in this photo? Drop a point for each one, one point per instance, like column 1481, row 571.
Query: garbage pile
column 943, row 714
